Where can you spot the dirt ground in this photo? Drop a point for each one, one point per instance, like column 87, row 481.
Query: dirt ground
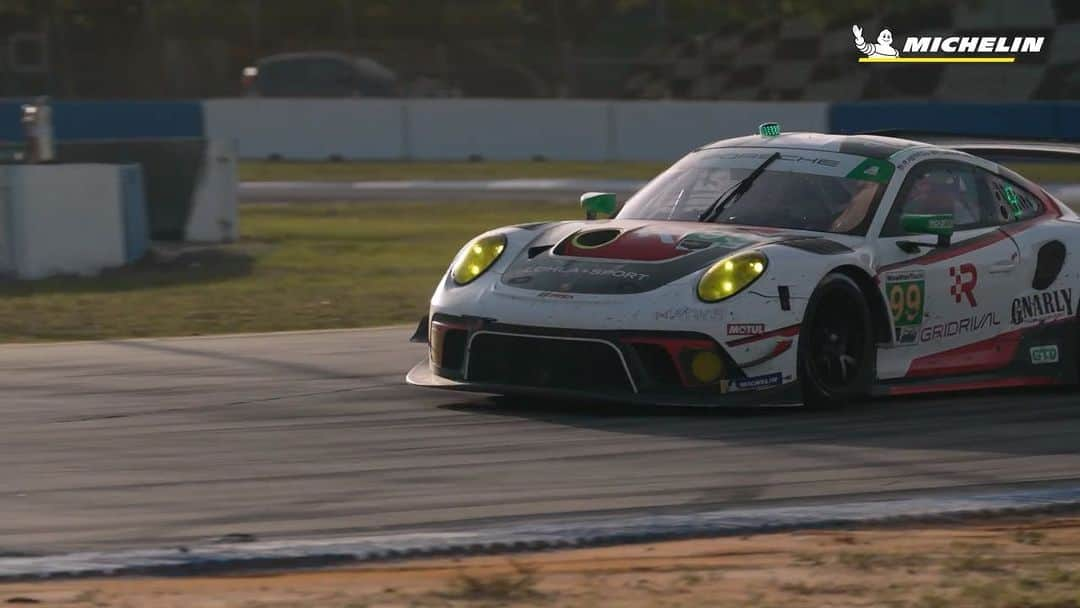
column 994, row 564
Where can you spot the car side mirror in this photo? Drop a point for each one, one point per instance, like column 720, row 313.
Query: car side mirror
column 598, row 202
column 940, row 225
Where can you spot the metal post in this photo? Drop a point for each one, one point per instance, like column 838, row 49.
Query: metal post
column 37, row 122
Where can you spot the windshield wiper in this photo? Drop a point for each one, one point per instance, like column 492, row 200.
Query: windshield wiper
column 733, row 193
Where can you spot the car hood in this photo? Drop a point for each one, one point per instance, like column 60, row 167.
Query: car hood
column 630, row 256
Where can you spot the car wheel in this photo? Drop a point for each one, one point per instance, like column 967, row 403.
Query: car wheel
column 836, row 344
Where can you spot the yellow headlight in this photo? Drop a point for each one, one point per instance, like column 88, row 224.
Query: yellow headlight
column 477, row 257
column 731, row 275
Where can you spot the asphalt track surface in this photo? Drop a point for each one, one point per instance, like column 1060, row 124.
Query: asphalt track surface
column 157, row 443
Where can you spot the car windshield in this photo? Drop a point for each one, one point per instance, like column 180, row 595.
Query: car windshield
column 802, row 189
column 322, row 77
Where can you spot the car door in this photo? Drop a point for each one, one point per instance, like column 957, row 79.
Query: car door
column 950, row 303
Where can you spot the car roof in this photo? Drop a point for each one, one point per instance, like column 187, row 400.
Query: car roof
column 367, row 65
column 305, row 55
column 872, row 146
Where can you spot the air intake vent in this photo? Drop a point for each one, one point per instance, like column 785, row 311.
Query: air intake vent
column 595, row 238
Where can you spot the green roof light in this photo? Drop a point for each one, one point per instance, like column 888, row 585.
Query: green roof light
column 769, row 129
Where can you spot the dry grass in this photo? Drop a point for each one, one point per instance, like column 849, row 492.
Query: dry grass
column 973, row 566
column 517, row 584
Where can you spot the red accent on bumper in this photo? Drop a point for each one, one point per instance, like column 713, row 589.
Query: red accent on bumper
column 436, row 338
column 782, row 346
column 675, row 347
column 971, row 386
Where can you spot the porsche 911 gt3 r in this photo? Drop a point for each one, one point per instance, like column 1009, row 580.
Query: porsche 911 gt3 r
column 774, row 269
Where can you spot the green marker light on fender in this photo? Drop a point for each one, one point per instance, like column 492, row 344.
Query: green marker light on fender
column 769, row 129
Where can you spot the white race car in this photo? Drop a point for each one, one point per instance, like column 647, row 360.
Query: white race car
column 775, row 269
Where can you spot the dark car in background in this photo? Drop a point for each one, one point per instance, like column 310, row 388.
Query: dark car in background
column 319, row 74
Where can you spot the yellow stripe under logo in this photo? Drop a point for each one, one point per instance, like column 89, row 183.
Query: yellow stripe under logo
column 937, row 59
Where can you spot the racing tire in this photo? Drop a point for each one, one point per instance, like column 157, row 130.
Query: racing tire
column 836, row 344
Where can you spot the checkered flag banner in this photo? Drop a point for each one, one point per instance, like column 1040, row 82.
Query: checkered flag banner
column 798, row 60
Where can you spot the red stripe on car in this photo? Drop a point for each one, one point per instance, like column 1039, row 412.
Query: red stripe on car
column 954, row 250
column 969, row 245
column 790, row 330
column 985, row 355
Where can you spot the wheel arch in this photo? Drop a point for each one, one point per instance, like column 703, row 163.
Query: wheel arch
column 879, row 310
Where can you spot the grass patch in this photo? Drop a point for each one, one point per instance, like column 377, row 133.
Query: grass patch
column 503, row 587
column 973, row 563
column 1048, row 172
column 867, row 561
column 259, row 170
column 808, row 559
column 805, row 588
column 309, row 266
column 1025, row 592
column 1029, row 537
column 690, row 579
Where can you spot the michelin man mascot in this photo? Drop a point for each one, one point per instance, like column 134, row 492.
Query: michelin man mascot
column 883, row 48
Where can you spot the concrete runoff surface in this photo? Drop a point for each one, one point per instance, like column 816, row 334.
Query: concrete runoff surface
column 151, row 443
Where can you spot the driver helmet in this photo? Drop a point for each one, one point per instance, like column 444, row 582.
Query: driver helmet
column 936, row 194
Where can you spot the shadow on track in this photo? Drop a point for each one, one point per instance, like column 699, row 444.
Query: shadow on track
column 1017, row 422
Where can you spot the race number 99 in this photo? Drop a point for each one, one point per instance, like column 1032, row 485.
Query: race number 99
column 906, row 302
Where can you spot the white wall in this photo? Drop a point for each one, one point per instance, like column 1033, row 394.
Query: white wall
column 7, row 233
column 64, row 219
column 213, row 204
column 508, row 130
column 500, row 129
column 308, row 129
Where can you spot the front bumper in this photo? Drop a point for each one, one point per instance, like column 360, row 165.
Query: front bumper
column 651, row 367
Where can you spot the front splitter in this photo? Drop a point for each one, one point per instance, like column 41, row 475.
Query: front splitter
column 788, row 395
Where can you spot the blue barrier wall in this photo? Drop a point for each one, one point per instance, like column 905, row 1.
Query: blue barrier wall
column 1038, row 120
column 111, row 120
column 10, row 121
